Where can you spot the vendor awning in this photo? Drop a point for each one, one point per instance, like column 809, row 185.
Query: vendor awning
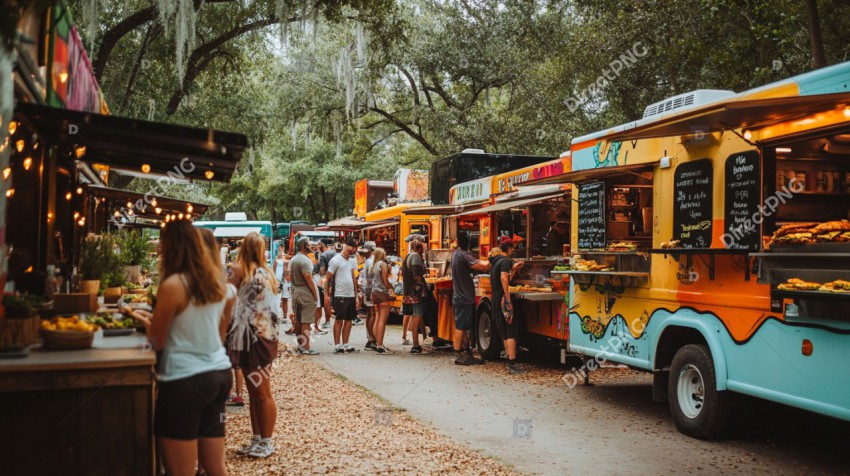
column 135, row 146
column 598, row 173
column 382, row 224
column 145, row 205
column 511, row 204
column 439, row 209
column 733, row 115
column 235, row 231
column 349, row 223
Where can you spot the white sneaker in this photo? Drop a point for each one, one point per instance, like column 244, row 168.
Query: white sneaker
column 263, row 449
column 248, row 448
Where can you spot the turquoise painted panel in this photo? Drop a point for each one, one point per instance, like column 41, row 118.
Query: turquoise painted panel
column 768, row 365
column 830, row 80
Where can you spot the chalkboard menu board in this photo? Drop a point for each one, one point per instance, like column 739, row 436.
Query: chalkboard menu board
column 692, row 185
column 742, row 201
column 591, row 216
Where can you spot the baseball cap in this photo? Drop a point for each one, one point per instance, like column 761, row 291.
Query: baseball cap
column 369, row 245
column 506, row 240
column 416, row 237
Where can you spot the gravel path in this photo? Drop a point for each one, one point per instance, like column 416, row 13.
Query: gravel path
column 328, row 425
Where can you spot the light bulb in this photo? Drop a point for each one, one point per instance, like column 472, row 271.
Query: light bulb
column 130, row 212
column 117, row 214
column 27, row 163
column 76, row 215
column 189, row 207
column 748, row 135
column 153, row 202
column 129, row 204
column 158, row 210
column 80, row 151
column 13, row 126
column 63, row 77
column 146, row 168
column 162, row 225
column 209, row 174
column 10, row 193
column 180, row 216
column 19, row 145
column 79, row 190
column 68, row 196
column 7, row 172
column 82, row 221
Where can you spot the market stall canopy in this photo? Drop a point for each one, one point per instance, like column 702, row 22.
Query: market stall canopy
column 136, row 146
column 349, row 223
column 235, row 231
column 511, row 204
column 145, row 205
column 733, row 115
column 381, row 224
column 438, row 209
column 597, row 173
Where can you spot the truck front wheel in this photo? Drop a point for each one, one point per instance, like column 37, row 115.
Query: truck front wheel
column 489, row 343
column 699, row 409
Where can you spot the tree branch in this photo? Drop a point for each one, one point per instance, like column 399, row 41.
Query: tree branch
column 114, row 34
column 407, row 130
column 382, row 139
column 410, row 80
column 438, row 88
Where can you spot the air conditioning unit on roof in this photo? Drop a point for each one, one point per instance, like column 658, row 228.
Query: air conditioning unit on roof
column 687, row 100
column 235, row 216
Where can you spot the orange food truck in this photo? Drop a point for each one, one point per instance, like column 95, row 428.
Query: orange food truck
column 711, row 247
column 540, row 217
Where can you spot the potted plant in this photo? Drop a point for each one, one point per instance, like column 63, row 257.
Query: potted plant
column 134, row 254
column 98, row 263
column 20, row 322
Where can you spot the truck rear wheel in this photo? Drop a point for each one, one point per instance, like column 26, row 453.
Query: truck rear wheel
column 699, row 409
column 489, row 343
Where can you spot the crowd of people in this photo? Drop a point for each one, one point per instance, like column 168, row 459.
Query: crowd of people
column 217, row 323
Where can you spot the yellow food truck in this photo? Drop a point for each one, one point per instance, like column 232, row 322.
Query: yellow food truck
column 711, row 247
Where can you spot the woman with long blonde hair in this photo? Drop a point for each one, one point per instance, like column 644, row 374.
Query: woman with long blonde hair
column 193, row 306
column 253, row 338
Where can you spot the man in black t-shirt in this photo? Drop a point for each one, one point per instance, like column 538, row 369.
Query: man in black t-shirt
column 502, row 269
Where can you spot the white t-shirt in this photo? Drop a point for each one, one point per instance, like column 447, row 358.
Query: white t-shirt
column 343, row 272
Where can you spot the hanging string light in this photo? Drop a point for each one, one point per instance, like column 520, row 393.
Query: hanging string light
column 10, row 193
column 68, row 196
column 13, row 126
column 79, row 190
column 7, row 172
column 146, row 168
column 19, row 145
column 209, row 174
column 189, row 207
column 80, row 151
column 158, row 210
column 76, row 215
column 27, row 163
column 153, row 202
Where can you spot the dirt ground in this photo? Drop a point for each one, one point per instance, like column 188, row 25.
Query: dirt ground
column 328, row 425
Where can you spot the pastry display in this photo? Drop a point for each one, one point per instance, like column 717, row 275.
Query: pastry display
column 797, row 284
column 837, row 286
column 590, row 265
column 828, row 232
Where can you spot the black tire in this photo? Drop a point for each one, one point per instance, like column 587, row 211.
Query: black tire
column 486, row 334
column 694, row 367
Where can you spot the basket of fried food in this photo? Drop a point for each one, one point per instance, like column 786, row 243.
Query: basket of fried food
column 590, row 265
column 836, row 231
column 837, row 286
column 67, row 333
column 797, row 284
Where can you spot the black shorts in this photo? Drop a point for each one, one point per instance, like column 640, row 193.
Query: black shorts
column 406, row 309
column 345, row 308
column 506, row 330
column 321, row 296
column 192, row 407
column 464, row 316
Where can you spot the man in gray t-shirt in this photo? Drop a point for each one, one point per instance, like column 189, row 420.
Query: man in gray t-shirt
column 305, row 295
column 341, row 290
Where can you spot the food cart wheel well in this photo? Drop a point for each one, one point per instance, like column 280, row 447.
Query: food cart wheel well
column 673, row 339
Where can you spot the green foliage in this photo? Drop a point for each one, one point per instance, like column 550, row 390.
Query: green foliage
column 134, row 248
column 436, row 77
column 99, row 259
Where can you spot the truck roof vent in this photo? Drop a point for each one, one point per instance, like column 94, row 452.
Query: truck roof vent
column 473, row 151
column 689, row 99
column 235, row 216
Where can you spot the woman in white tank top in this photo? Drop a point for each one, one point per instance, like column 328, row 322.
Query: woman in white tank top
column 193, row 307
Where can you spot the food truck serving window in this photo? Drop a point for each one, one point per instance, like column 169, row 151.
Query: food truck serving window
column 692, row 196
column 591, row 216
column 615, row 214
